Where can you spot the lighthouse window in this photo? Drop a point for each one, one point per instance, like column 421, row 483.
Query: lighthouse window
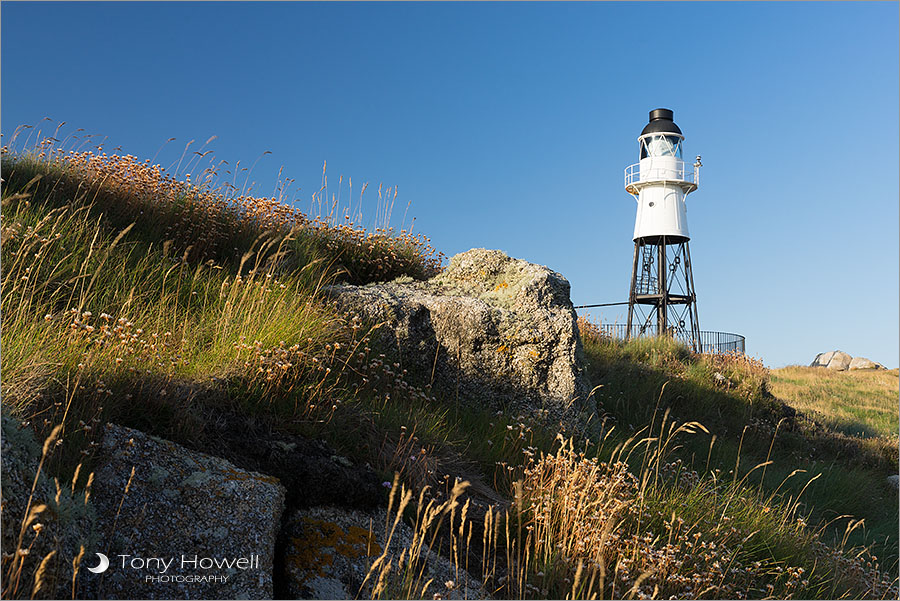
column 661, row 146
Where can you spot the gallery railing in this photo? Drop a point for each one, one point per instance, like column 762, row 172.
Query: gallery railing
column 710, row 342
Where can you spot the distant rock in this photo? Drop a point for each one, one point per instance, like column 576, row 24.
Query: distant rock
column 500, row 330
column 185, row 507
column 837, row 360
column 894, row 481
column 822, row 359
column 863, row 363
column 841, row 361
column 329, row 552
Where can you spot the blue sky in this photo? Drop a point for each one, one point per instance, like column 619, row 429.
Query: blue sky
column 509, row 125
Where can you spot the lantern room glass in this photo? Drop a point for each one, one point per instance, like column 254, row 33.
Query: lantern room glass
column 661, row 145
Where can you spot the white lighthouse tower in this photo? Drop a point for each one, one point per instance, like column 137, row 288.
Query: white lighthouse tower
column 662, row 300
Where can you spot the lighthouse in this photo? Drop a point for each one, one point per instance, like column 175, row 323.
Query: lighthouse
column 662, row 300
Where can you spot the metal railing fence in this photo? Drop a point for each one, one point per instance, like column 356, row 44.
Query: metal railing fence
column 681, row 172
column 710, row 342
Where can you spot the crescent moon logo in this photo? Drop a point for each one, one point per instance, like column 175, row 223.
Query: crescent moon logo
column 104, row 564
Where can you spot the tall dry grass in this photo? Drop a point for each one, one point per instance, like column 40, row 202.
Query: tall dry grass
column 581, row 528
column 121, row 281
column 208, row 217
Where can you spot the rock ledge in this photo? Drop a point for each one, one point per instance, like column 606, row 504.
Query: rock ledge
column 495, row 330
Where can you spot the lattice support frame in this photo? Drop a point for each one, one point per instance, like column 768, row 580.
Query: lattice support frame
column 662, row 299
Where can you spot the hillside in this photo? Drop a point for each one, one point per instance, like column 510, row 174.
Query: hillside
column 861, row 403
column 755, row 418
column 209, row 320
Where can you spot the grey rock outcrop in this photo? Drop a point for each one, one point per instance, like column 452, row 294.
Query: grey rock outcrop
column 330, row 551
column 56, row 533
column 841, row 361
column 863, row 363
column 500, row 331
column 837, row 360
column 202, row 514
column 822, row 359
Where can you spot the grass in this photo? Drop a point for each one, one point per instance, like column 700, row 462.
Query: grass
column 580, row 528
column 132, row 296
column 645, row 514
column 860, row 403
column 128, row 296
column 748, row 426
column 143, row 278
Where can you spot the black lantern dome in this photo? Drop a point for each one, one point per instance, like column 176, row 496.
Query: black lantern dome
column 661, row 123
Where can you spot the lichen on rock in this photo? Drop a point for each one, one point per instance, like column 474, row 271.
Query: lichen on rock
column 497, row 331
column 330, row 551
column 181, row 505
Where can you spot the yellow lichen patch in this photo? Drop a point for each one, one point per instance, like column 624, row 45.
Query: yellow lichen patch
column 500, row 286
column 307, row 559
column 313, row 552
column 240, row 475
column 359, row 543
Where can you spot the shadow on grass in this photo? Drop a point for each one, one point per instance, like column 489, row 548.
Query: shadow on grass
column 747, row 427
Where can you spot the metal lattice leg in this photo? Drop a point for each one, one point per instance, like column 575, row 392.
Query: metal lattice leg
column 634, row 267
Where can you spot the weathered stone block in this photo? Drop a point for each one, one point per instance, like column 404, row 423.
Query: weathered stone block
column 501, row 331
column 190, row 526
